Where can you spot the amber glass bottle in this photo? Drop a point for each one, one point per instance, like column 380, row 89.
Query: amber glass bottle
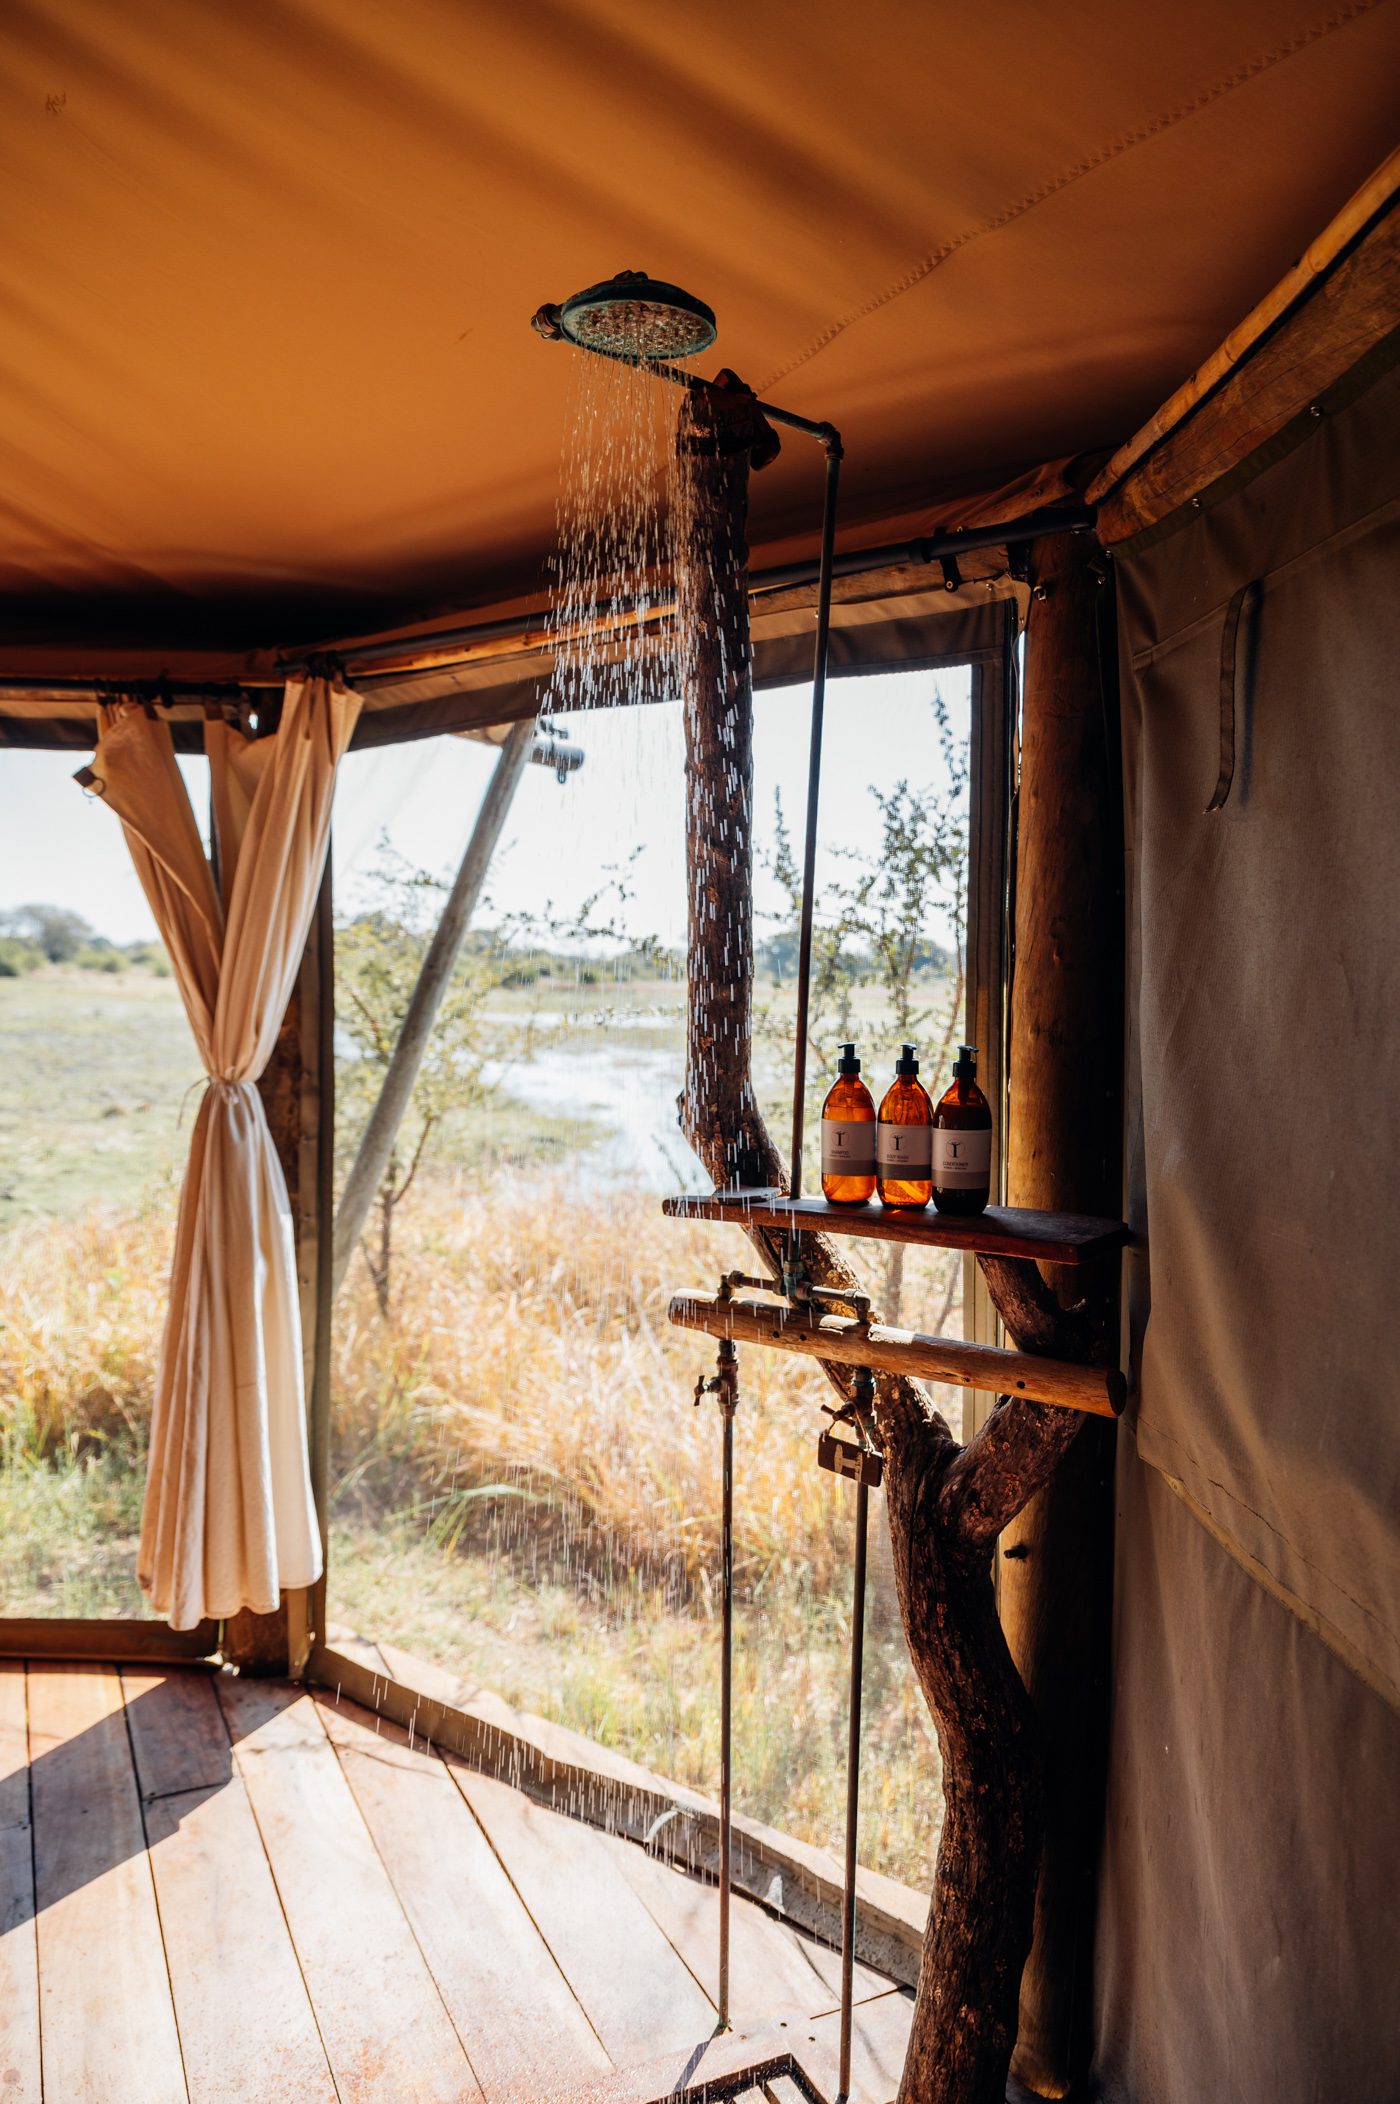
column 848, row 1136
column 962, row 1141
column 904, row 1137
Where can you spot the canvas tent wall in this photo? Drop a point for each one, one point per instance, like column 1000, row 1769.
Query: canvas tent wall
column 1247, row 1915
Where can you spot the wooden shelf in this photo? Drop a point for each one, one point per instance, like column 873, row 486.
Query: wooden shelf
column 1002, row 1231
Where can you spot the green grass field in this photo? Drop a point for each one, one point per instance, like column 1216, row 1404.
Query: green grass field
column 95, row 1073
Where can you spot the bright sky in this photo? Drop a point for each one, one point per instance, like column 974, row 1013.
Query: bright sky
column 59, row 846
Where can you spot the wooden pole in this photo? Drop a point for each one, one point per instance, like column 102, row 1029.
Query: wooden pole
column 323, row 1169
column 377, row 1140
column 1063, row 1142
column 1096, row 1391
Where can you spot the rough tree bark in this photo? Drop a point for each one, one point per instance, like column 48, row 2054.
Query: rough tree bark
column 946, row 1503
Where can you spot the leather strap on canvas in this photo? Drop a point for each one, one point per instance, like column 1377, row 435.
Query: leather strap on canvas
column 1229, row 643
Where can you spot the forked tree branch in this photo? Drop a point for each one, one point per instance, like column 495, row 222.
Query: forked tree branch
column 945, row 1503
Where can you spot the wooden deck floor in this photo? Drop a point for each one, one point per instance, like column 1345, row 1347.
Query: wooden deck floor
column 217, row 1889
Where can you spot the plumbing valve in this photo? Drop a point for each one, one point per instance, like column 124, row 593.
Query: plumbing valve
column 724, row 1381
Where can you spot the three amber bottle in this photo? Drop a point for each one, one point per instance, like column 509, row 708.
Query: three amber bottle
column 915, row 1150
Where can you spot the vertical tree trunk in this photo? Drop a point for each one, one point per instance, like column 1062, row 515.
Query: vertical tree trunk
column 1063, row 1145
column 372, row 1157
column 946, row 1503
column 716, row 441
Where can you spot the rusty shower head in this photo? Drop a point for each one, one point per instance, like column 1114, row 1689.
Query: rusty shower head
column 631, row 316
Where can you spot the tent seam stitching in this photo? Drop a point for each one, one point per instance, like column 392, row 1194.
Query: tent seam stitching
column 1153, row 128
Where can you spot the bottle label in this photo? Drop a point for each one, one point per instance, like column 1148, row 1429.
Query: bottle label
column 848, row 1149
column 905, row 1152
column 962, row 1161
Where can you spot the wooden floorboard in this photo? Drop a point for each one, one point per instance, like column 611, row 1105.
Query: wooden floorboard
column 108, row 2025
column 245, row 2021
column 637, row 1993
column 514, row 2010
column 881, row 2032
column 386, row 2031
column 20, row 2081
column 772, row 1966
column 879, row 2040
column 247, row 1893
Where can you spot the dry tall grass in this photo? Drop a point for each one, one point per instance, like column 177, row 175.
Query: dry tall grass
column 528, row 1347
column 81, row 1307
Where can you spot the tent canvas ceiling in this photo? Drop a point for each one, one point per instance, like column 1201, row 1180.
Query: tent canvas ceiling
column 267, row 269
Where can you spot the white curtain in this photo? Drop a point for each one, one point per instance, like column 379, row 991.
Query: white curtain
column 229, row 1520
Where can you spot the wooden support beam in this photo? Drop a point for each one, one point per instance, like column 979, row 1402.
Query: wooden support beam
column 1095, row 1390
column 377, row 1140
column 1063, row 1139
column 112, row 1642
column 1335, row 307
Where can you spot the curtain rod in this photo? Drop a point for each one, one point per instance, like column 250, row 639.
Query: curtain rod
column 855, row 562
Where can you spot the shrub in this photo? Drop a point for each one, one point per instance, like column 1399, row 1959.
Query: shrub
column 55, row 930
column 18, row 955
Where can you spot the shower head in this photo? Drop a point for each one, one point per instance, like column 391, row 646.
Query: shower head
column 631, row 316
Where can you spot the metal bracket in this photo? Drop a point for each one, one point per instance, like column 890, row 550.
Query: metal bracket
column 731, row 1279
column 841, row 1296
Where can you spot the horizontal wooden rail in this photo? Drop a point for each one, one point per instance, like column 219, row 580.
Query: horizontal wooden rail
column 101, row 1642
column 1096, row 1390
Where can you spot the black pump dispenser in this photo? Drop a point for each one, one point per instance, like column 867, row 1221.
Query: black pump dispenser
column 965, row 1065
column 907, row 1063
column 848, row 1063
